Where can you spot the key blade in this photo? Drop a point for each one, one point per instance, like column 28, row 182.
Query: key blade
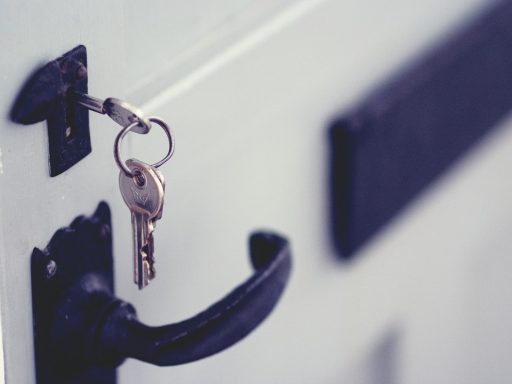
column 141, row 267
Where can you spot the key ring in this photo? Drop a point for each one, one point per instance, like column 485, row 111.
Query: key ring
column 120, row 136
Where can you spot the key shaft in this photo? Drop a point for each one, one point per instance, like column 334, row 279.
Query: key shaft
column 122, row 112
column 141, row 267
column 144, row 196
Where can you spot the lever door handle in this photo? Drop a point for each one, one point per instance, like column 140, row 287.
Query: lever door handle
column 216, row 328
column 82, row 331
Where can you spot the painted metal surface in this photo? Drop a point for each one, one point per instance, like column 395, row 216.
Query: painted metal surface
column 234, row 105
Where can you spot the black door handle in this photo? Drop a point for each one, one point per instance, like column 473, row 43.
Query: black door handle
column 82, row 331
column 216, row 328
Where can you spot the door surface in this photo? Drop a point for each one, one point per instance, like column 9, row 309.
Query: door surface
column 249, row 89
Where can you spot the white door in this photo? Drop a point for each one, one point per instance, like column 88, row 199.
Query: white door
column 248, row 88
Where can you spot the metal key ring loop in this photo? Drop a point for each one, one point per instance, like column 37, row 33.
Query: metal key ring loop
column 120, row 136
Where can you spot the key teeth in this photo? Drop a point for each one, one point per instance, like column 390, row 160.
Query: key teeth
column 152, row 271
column 148, row 262
column 145, row 275
column 147, row 269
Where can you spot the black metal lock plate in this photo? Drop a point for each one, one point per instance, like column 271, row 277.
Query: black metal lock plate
column 47, row 95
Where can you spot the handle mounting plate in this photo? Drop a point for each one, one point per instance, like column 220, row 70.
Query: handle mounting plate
column 67, row 281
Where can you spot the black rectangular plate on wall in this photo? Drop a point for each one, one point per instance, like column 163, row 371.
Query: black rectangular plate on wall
column 388, row 149
column 47, row 95
column 68, row 127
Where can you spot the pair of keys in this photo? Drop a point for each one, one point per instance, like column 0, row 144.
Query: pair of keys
column 143, row 193
column 142, row 185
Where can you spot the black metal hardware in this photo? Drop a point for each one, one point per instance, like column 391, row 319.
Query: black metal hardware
column 400, row 139
column 47, row 96
column 82, row 331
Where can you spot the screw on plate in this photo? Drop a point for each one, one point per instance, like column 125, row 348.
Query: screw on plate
column 51, row 269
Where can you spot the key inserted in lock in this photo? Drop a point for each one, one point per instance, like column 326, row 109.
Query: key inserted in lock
column 122, row 112
column 45, row 96
column 57, row 93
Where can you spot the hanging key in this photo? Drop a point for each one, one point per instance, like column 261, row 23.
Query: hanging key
column 143, row 193
column 142, row 187
column 122, row 112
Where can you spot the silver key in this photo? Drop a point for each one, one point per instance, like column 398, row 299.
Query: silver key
column 144, row 195
column 122, row 112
